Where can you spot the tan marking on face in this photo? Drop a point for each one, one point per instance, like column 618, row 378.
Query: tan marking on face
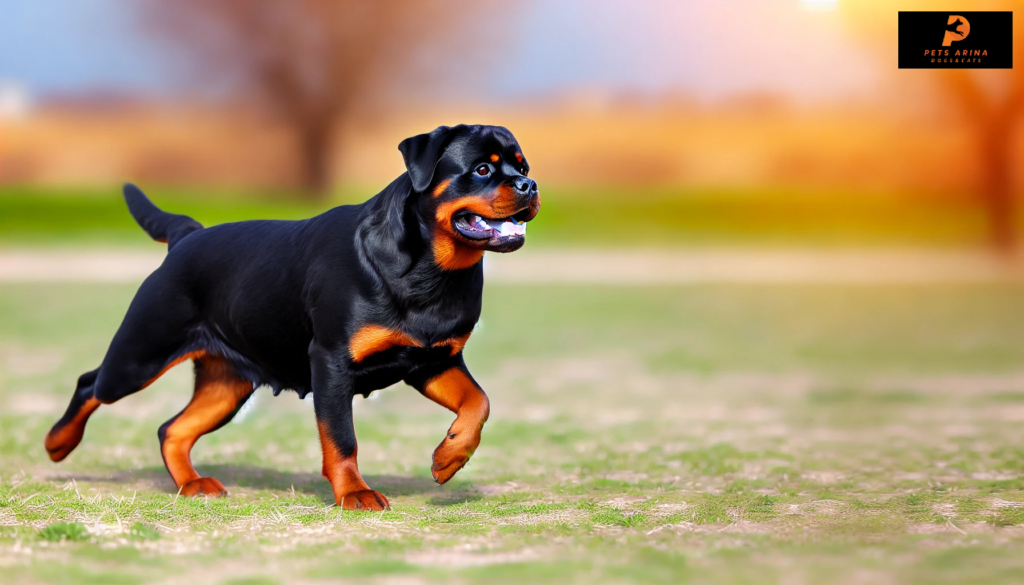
column 371, row 339
column 519, row 157
column 441, row 187
column 502, row 203
column 450, row 252
column 495, row 158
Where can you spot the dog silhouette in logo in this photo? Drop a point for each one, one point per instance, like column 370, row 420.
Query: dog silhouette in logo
column 954, row 28
column 953, row 31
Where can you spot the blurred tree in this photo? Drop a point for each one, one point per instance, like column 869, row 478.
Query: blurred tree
column 990, row 101
column 309, row 62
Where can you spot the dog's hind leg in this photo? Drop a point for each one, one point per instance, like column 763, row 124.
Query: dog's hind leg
column 149, row 341
column 67, row 433
column 219, row 394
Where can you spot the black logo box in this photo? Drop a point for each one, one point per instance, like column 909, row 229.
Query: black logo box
column 924, row 31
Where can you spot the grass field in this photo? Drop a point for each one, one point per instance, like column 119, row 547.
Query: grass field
column 706, row 434
column 569, row 217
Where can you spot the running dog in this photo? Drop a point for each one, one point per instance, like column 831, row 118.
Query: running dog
column 345, row 303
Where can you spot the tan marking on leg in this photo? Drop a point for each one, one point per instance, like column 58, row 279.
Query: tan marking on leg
column 192, row 355
column 60, row 442
column 350, row 490
column 218, row 394
column 457, row 392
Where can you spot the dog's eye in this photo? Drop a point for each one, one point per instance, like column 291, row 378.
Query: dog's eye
column 483, row 170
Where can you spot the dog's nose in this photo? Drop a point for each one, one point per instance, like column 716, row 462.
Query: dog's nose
column 526, row 186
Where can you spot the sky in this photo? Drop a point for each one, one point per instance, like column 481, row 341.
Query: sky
column 705, row 48
column 74, row 46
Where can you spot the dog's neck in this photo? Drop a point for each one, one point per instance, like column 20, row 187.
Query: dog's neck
column 394, row 242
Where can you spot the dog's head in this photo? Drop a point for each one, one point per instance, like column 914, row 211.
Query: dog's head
column 473, row 189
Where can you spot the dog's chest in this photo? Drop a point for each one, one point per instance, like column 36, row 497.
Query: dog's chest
column 374, row 340
column 382, row 357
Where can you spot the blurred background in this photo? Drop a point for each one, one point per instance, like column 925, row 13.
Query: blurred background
column 660, row 123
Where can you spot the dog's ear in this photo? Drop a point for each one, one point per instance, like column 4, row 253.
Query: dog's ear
column 421, row 154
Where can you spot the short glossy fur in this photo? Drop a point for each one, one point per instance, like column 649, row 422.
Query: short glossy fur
column 345, row 303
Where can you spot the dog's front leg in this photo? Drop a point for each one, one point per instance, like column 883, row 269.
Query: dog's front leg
column 455, row 389
column 332, row 401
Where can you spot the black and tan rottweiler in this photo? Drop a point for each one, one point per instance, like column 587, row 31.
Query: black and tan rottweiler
column 345, row 303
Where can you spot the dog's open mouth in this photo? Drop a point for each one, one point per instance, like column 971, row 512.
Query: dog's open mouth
column 475, row 227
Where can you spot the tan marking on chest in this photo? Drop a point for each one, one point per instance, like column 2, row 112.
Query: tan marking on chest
column 371, row 339
column 456, row 343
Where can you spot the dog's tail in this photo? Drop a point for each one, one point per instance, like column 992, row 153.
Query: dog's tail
column 164, row 227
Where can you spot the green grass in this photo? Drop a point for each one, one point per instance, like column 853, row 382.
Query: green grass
column 43, row 216
column 705, row 434
column 59, row 531
column 574, row 217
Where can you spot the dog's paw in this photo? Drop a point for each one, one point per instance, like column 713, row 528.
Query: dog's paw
column 61, row 442
column 65, row 436
column 370, row 500
column 204, row 486
column 452, row 455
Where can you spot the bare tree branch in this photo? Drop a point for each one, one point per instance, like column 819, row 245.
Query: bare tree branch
column 310, row 62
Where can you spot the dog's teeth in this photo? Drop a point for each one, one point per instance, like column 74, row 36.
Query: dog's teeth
column 483, row 224
column 509, row 228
